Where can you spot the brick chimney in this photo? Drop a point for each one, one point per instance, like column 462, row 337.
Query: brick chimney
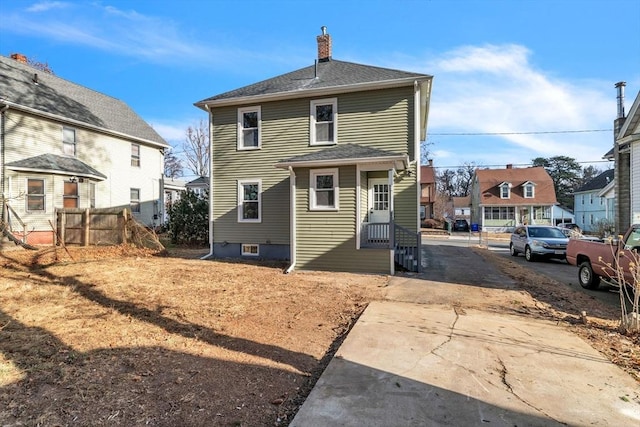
column 324, row 45
column 19, row 57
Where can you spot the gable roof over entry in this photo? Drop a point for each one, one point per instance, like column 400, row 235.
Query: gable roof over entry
column 51, row 163
column 346, row 154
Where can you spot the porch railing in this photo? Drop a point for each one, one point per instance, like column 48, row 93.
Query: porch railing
column 404, row 242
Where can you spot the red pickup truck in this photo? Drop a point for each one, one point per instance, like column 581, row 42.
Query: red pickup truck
column 597, row 260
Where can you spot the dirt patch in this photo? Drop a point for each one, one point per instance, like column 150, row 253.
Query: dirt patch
column 122, row 336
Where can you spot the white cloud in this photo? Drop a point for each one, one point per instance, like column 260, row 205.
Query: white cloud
column 46, row 6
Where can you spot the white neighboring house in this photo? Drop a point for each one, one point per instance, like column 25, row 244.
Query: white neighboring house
column 200, row 186
column 67, row 146
column 173, row 189
column 595, row 201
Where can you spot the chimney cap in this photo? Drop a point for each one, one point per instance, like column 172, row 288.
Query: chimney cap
column 324, row 30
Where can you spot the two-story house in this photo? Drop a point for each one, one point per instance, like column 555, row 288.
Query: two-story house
column 504, row 198
column 427, row 190
column 594, row 202
column 320, row 166
column 63, row 145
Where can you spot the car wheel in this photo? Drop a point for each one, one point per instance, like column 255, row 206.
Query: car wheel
column 528, row 255
column 512, row 250
column 586, row 277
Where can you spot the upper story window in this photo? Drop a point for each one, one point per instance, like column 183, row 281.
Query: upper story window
column 92, row 195
column 324, row 121
column 250, row 200
column 324, row 190
column 529, row 190
column 69, row 141
column 35, row 195
column 70, row 196
column 135, row 200
column 249, row 125
column 505, row 190
column 135, row 155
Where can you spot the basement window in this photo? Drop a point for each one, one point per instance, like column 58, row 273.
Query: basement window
column 250, row 249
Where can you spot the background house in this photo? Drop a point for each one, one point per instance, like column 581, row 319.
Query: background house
column 594, row 201
column 200, row 186
column 626, row 154
column 67, row 146
column 427, row 190
column 462, row 207
column 320, row 166
column 173, row 188
column 504, row 198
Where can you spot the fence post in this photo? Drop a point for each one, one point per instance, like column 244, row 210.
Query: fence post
column 62, row 228
column 85, row 228
column 123, row 226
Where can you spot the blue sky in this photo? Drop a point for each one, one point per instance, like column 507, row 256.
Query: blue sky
column 500, row 66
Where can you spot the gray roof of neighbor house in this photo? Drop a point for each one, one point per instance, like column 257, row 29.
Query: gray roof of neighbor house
column 200, row 181
column 51, row 162
column 325, row 75
column 27, row 88
column 598, row 183
column 344, row 154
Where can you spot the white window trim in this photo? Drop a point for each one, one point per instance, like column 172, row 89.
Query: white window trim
column 533, row 191
column 240, row 136
column 312, row 121
column 249, row 253
column 241, row 183
column 136, row 158
column 131, row 201
column 508, row 186
column 312, row 189
column 73, row 144
column 44, row 195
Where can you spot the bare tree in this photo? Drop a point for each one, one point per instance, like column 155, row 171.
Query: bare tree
column 172, row 165
column 196, row 149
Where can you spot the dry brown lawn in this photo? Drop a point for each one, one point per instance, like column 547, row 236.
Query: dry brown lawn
column 122, row 336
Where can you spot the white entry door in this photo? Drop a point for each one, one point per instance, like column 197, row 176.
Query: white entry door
column 379, row 200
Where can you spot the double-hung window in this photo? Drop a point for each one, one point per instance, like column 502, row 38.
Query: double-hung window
column 505, row 190
column 135, row 155
column 35, row 195
column 70, row 196
column 529, row 190
column 324, row 121
column 323, row 190
column 250, row 200
column 249, row 128
column 135, row 200
column 69, row 141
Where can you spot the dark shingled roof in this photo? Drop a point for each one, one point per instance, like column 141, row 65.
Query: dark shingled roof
column 55, row 163
column 54, row 95
column 343, row 152
column 598, row 183
column 330, row 74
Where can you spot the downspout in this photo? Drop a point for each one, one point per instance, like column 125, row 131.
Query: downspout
column 210, row 254
column 2, row 173
column 392, row 222
column 417, row 153
column 292, row 220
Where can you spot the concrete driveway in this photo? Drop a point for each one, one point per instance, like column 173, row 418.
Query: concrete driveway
column 419, row 358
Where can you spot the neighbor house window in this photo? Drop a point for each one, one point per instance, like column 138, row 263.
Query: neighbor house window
column 135, row 200
column 541, row 212
column 135, row 155
column 35, row 195
column 69, row 141
column 529, row 190
column 249, row 200
column 323, row 187
column 499, row 212
column 70, row 196
column 505, row 190
column 324, row 123
column 249, row 124
column 250, row 250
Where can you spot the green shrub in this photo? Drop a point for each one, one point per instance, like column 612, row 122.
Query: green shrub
column 189, row 219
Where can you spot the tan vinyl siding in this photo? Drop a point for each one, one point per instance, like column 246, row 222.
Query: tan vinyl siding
column 326, row 240
column 406, row 200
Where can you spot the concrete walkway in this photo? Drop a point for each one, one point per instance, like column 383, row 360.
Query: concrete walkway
column 417, row 360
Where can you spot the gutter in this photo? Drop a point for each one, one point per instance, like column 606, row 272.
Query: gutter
column 292, row 219
column 210, row 254
column 4, row 108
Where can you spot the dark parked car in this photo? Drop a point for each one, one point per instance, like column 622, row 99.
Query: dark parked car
column 460, row 225
column 538, row 241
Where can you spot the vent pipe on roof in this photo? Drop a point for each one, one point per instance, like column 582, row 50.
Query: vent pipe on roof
column 620, row 87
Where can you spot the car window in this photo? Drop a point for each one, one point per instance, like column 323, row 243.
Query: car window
column 634, row 239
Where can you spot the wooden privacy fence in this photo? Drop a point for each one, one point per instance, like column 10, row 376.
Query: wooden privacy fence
column 92, row 226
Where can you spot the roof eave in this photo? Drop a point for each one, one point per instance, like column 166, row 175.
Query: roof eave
column 57, row 172
column 400, row 162
column 19, row 107
column 304, row 93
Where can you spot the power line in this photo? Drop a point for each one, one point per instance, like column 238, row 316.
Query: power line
column 514, row 165
column 519, row 133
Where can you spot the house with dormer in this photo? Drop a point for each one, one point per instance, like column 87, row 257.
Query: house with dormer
column 67, row 146
column 501, row 199
column 320, row 166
